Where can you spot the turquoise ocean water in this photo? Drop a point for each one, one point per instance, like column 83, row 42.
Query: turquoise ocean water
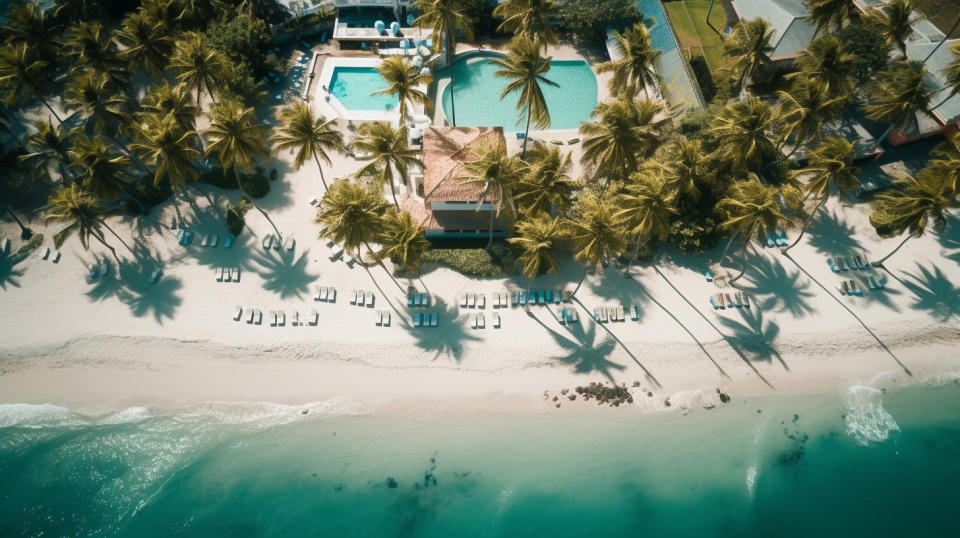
column 850, row 463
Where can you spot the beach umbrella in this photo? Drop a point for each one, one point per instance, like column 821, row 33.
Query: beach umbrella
column 394, row 28
column 379, row 25
column 410, row 19
column 425, row 71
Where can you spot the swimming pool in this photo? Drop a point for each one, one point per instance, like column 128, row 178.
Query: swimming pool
column 477, row 92
column 352, row 86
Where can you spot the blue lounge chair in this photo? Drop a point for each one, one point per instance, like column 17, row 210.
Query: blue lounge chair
column 596, row 314
column 549, row 297
column 228, row 242
column 433, row 319
column 416, row 320
column 523, row 298
column 782, row 238
column 713, row 301
column 833, row 265
column 521, row 136
column 323, row 38
column 771, row 242
column 541, row 297
column 844, row 262
column 708, row 275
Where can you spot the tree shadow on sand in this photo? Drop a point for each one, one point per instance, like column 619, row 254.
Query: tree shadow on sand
column 585, row 354
column 754, row 336
column 774, row 288
column 933, row 292
column 284, row 273
column 831, row 236
column 131, row 285
column 445, row 339
column 590, row 319
column 8, row 275
column 949, row 238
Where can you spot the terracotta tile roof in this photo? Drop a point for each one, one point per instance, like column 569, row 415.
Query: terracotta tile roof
column 444, row 151
column 420, row 213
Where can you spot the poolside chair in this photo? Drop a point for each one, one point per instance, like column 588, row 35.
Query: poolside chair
column 782, row 240
column 481, row 320
column 504, row 299
column 635, row 312
column 154, row 276
column 272, row 316
column 238, row 313
column 620, row 313
column 514, row 298
column 424, row 299
column 739, row 302
column 833, row 266
column 336, row 252
column 855, row 287
column 573, row 315
column 416, row 319
column 873, row 283
column 844, row 288
column 348, row 259
column 496, row 320
column 603, row 314
column 433, row 319
column 410, row 299
column 720, row 300
column 205, row 241
column 386, row 318
column 353, row 296
column 471, row 300
column 562, row 315
column 314, row 318
column 219, row 273
column 361, row 298
column 379, row 318
column 864, row 261
column 495, row 303
column 713, row 301
column 481, row 300
column 253, row 313
column 277, row 245
column 228, row 242
column 523, row 298
column 843, row 263
column 463, row 299
column 213, row 240
column 316, row 293
column 267, row 241
column 259, row 319
column 596, row 313
column 548, row 296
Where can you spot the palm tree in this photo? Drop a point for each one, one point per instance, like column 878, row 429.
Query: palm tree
column 546, row 184
column 23, row 76
column 525, row 71
column 945, row 159
column 827, row 61
column 495, row 174
column 646, row 207
column 164, row 99
column 750, row 207
column 540, row 239
column 444, row 18
column 623, row 133
column 807, row 105
column 307, row 136
column 49, row 145
column 81, row 213
column 387, row 153
column 830, row 166
column 147, row 41
column 198, row 65
column 952, row 73
column 830, row 14
column 100, row 170
column 528, row 18
column 169, row 149
column 28, row 24
column 687, row 167
column 748, row 47
column 351, row 214
column 634, row 68
column 744, row 130
column 893, row 21
column 236, row 138
column 89, row 46
column 402, row 240
column 911, row 208
column 593, row 233
column 899, row 94
column 404, row 80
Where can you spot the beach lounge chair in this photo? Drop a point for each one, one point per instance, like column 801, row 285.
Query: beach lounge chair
column 855, row 287
column 523, row 298
column 782, row 240
column 259, row 318
column 219, row 272
column 603, row 314
column 410, row 298
column 556, row 296
column 729, row 300
column 481, row 300
column 332, row 295
column 281, row 318
column 250, row 318
column 572, row 315
column 843, row 263
column 471, row 300
column 386, row 318
column 721, row 301
column 295, row 318
column 213, row 240
column 833, row 265
column 238, row 313
column 746, row 299
column 495, row 302
column 713, row 301
column 316, row 293
column 291, row 242
column 93, row 272
column 620, row 313
column 514, row 298
column 361, row 298
column 314, row 318
column 379, row 318
column 549, row 296
column 473, row 320
column 496, row 320
column 739, row 301
column 205, row 241
column 708, row 275
column 596, row 314
column 481, row 320
column 844, row 288
column 235, row 275
column 873, row 283
column 353, row 296
column 635, row 312
column 433, row 319
column 541, row 297
column 416, row 319
column 348, row 259
column 272, row 316
column 45, row 253
column 56, row 257
column 370, row 299
column 463, row 299
column 267, row 241
column 865, row 263
column 228, row 242
column 335, row 252
column 154, row 276
column 771, row 241
column 562, row 315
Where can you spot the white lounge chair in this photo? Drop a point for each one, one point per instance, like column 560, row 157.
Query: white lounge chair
column 205, row 241
column 433, row 319
column 219, row 272
column 295, row 318
column 236, row 274
column 291, row 242
column 281, row 318
column 314, row 318
column 370, row 299
column 272, row 316
column 353, row 296
column 496, row 320
column 316, row 293
column 473, row 321
column 481, row 320
column 154, row 276
column 238, row 314
column 267, row 241
column 361, row 298
column 379, row 317
column 259, row 319
column 213, row 240
column 482, row 300
column 386, row 318
column 463, row 299
column 332, row 295
column 250, row 318
column 471, row 300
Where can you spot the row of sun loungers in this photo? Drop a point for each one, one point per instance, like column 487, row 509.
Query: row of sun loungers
column 383, row 318
column 277, row 318
column 568, row 315
column 739, row 299
column 362, row 298
column 856, row 262
column 536, row 297
column 778, row 240
column 418, row 299
column 103, row 268
column 613, row 313
column 478, row 320
column 425, row 319
column 471, row 300
column 271, row 240
column 336, row 251
column 325, row 293
column 228, row 274
column 855, row 286
column 45, row 255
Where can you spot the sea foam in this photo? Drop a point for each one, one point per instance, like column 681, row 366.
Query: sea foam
column 36, row 416
column 867, row 421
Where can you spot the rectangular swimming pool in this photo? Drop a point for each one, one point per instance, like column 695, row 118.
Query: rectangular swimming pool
column 353, row 86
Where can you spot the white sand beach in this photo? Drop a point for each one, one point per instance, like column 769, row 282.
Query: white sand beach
column 109, row 343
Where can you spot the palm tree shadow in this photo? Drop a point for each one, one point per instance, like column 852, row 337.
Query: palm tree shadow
column 585, row 354
column 8, row 275
column 284, row 273
column 754, row 336
column 776, row 288
column 104, row 286
column 832, row 236
column 934, row 293
column 445, row 339
column 280, row 194
column 145, row 297
column 949, row 237
column 649, row 375
column 882, row 296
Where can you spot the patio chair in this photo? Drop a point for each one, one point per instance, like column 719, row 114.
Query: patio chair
column 416, row 319
column 379, row 318
column 481, row 300
column 386, row 318
column 238, row 313
column 463, row 299
column 228, row 242
column 314, row 318
column 496, row 320
column 213, row 240
column 219, row 272
column 481, row 320
column 433, row 319
column 267, row 242
column 713, row 301
column 250, row 318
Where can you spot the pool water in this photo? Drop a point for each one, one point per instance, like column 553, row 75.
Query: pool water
column 353, row 86
column 477, row 95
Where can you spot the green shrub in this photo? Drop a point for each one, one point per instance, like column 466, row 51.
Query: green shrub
column 694, row 237
column 236, row 216
column 255, row 185
column 589, row 18
column 698, row 64
column 472, row 261
column 219, row 178
column 148, row 194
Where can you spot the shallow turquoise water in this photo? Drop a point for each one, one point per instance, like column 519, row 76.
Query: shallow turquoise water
column 855, row 463
column 353, row 86
column 477, row 95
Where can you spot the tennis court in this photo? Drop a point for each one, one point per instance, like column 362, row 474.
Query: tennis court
column 689, row 19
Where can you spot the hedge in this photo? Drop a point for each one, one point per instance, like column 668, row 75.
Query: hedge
column 472, row 261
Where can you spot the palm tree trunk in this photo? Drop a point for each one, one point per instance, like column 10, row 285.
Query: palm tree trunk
column 580, row 283
column 111, row 249
column 322, row 179
column 946, row 37
column 136, row 160
column 880, row 262
column 884, row 136
column 806, row 223
column 729, row 242
column 949, row 96
column 490, row 241
column 388, row 177
column 50, row 108
column 236, row 174
column 122, row 242
column 636, row 250
column 526, row 133
column 25, row 233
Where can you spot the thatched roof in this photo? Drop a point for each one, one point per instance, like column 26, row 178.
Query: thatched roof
column 444, row 151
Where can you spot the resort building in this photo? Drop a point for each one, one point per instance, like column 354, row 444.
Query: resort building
column 445, row 207
column 364, row 23
column 791, row 33
column 946, row 107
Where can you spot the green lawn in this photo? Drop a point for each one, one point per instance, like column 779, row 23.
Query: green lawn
column 689, row 21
